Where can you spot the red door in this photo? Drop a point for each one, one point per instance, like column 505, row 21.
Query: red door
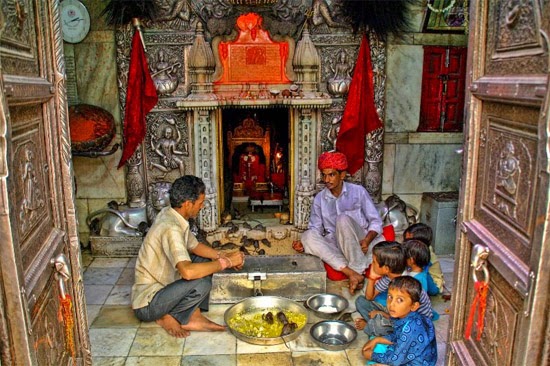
column 443, row 78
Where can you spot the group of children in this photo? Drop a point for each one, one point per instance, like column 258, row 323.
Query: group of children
column 396, row 310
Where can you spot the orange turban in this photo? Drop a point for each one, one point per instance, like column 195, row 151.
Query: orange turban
column 332, row 160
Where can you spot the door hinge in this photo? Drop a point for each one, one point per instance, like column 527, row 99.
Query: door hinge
column 529, row 294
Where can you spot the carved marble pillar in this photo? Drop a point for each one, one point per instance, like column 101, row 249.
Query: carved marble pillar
column 305, row 165
column 306, row 65
column 374, row 148
column 206, row 165
column 135, row 187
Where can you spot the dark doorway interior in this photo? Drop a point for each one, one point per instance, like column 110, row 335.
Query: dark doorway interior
column 255, row 157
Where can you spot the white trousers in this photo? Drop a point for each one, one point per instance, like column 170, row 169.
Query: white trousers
column 342, row 248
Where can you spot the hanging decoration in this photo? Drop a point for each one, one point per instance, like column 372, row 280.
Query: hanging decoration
column 379, row 16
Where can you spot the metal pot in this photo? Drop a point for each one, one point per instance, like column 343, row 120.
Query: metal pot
column 261, row 304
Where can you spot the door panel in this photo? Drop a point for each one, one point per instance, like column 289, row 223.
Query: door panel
column 44, row 318
column 504, row 193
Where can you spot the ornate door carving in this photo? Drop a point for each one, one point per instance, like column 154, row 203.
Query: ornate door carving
column 505, row 186
column 43, row 316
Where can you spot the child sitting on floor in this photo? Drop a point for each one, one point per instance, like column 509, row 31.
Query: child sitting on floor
column 412, row 341
column 424, row 233
column 388, row 262
column 418, row 260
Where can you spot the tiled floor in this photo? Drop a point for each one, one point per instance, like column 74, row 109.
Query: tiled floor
column 118, row 338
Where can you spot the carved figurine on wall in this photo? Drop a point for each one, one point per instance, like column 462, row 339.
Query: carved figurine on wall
column 164, row 74
column 166, row 147
column 338, row 85
column 322, row 15
column 508, row 170
column 332, row 134
column 32, row 196
column 172, row 9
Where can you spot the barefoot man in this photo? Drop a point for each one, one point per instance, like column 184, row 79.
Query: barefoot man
column 173, row 270
column 344, row 222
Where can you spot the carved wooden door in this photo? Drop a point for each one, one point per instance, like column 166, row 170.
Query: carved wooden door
column 505, row 185
column 42, row 313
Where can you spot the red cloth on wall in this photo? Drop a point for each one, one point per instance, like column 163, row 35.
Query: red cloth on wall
column 360, row 116
column 141, row 97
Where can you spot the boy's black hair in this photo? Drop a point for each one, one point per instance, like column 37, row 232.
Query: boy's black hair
column 391, row 254
column 418, row 251
column 186, row 188
column 420, row 231
column 407, row 284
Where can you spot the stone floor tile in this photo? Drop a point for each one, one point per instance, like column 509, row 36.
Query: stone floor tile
column 92, row 311
column 116, row 316
column 120, row 295
column 108, row 361
column 153, row 361
column 132, row 263
column 216, row 312
column 244, row 347
column 156, row 342
column 87, row 258
column 111, row 342
column 304, row 342
column 320, row 358
column 355, row 356
column 127, row 277
column 441, row 350
column 102, row 276
column 219, row 343
column 209, row 360
column 105, row 262
column 97, row 294
column 278, row 359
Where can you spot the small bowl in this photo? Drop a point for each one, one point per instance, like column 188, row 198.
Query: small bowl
column 333, row 335
column 274, row 92
column 327, row 306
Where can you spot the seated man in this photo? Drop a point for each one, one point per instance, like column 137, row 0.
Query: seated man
column 173, row 270
column 344, row 222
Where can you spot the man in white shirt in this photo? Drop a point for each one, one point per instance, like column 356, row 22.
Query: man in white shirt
column 173, row 270
column 344, row 223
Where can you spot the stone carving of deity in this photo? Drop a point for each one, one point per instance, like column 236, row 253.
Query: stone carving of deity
column 32, row 196
column 164, row 74
column 166, row 147
column 508, row 169
column 338, row 85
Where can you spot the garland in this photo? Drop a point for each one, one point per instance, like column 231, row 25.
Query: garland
column 445, row 9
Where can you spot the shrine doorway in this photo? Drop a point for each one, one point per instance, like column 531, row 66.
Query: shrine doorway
column 255, row 151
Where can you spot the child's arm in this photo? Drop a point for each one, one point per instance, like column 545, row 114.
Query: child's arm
column 371, row 292
column 369, row 346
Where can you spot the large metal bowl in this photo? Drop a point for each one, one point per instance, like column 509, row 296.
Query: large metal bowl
column 261, row 304
column 333, row 335
column 327, row 306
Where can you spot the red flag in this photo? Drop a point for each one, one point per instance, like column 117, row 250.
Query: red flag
column 141, row 97
column 360, row 116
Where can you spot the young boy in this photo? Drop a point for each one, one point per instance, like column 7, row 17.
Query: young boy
column 413, row 340
column 418, row 260
column 424, row 233
column 388, row 262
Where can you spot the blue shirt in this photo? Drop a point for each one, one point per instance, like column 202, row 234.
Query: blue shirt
column 413, row 341
column 425, row 304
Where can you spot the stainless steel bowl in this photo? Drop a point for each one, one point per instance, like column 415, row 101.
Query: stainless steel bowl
column 333, row 335
column 261, row 304
column 327, row 306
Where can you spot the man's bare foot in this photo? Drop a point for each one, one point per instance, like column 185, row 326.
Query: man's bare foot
column 172, row 326
column 298, row 246
column 200, row 323
column 360, row 323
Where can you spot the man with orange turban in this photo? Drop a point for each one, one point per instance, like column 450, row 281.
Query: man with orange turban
column 344, row 223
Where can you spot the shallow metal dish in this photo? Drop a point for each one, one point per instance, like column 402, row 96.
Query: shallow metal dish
column 333, row 335
column 260, row 303
column 321, row 305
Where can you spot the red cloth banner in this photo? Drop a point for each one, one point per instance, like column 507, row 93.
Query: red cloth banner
column 360, row 116
column 141, row 97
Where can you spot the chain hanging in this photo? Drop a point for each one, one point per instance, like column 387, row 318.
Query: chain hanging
column 445, row 9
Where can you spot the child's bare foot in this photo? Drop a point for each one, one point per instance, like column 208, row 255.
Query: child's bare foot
column 200, row 323
column 360, row 323
column 172, row 326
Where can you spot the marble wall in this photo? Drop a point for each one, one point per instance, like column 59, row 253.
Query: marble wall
column 413, row 162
